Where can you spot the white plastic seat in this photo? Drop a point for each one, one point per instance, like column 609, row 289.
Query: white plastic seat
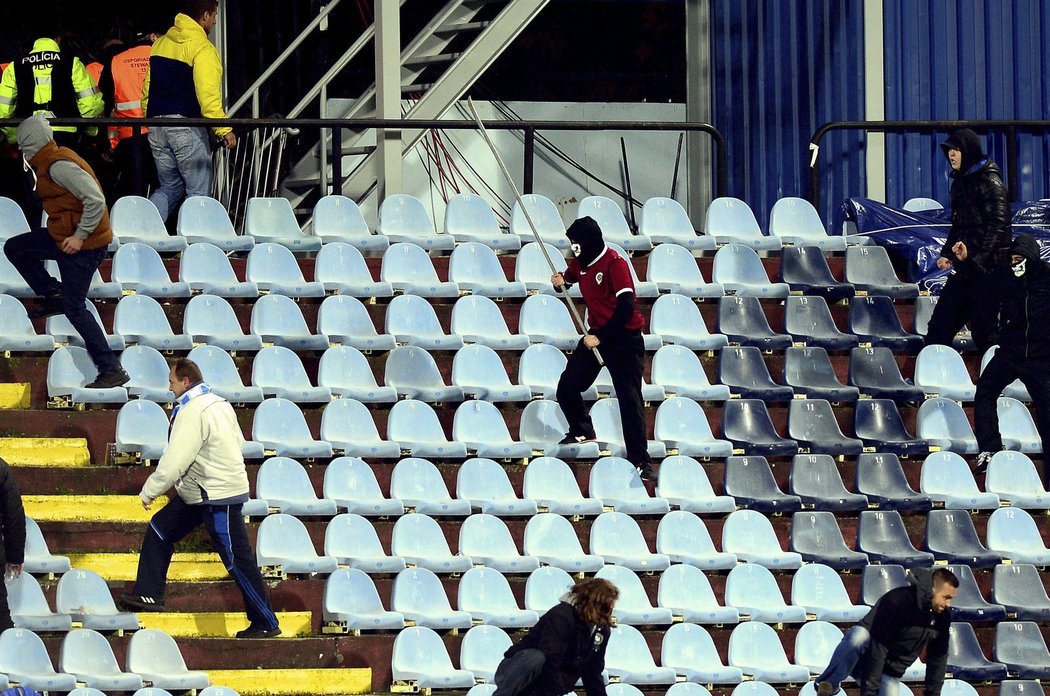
column 612, row 222
column 474, row 268
column 946, row 477
column 418, row 539
column 627, row 656
column 142, row 428
column 633, row 606
column 482, row 650
column 480, row 426
column 338, row 220
column 1017, row 427
column 352, row 540
column 209, row 319
column 59, row 328
column 540, row 367
column 546, row 320
column 919, row 204
column 1012, row 476
column 796, row 221
column 687, row 593
column 402, row 218
column 731, row 221
column 283, row 543
column 141, row 319
column 204, row 220
column 480, row 373
column 545, row 587
column 69, row 371
column 412, row 320
column 750, row 536
column 677, row 320
column 665, row 221
column 341, row 268
column 352, row 484
column 29, row 608
column 550, row 482
column 605, row 416
column 419, row 485
column 347, row 425
column 469, row 219
column 278, row 371
column 485, row 484
column 688, row 649
column 155, row 656
column 685, row 539
column 97, row 290
column 868, row 268
column 486, row 595
column 205, row 268
column 420, row 658
column 479, row 320
column 24, row 659
column 617, row 483
column 346, row 372
column 16, row 330
column 683, row 428
column 940, row 370
column 278, row 320
column 221, row 374
column 135, row 219
column 685, row 484
column 942, row 422
column 819, row 590
column 409, row 270
column 274, row 270
column 617, row 538
column 740, row 271
column 1013, row 533
column 345, row 321
column 12, row 220
column 284, row 484
column 551, row 539
column 272, row 220
column 414, row 373
column 603, row 385
column 678, row 370
column 415, row 426
column 420, row 597
column 674, row 269
column 486, row 539
column 84, row 595
column 543, row 425
column 545, row 217
column 755, row 648
column 814, row 644
column 86, row 654
column 352, row 602
column 753, row 589
column 281, row 427
column 531, row 267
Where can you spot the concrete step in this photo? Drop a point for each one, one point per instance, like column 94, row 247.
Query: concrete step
column 90, row 508
column 44, row 451
column 14, row 395
column 121, row 567
column 288, row 682
column 221, row 624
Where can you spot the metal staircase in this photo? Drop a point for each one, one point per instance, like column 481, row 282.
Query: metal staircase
column 437, row 68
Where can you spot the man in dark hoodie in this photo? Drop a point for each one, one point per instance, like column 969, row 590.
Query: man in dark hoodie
column 616, row 330
column 977, row 245
column 76, row 237
column 877, row 651
column 12, row 536
column 1023, row 353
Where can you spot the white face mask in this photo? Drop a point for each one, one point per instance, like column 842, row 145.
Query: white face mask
column 1019, row 268
column 576, row 249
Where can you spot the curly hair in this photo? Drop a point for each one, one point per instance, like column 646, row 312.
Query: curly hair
column 594, row 599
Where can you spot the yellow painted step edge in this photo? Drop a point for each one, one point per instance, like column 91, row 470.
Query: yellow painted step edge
column 45, row 451
column 286, row 682
column 14, row 395
column 220, row 624
column 89, row 508
column 185, row 567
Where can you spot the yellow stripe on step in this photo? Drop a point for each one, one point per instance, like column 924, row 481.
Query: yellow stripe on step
column 45, row 451
column 89, row 508
column 218, row 624
column 14, row 395
column 289, row 682
column 185, row 567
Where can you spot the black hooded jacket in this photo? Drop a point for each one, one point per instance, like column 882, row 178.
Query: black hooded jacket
column 1024, row 312
column 574, row 649
column 12, row 519
column 902, row 623
column 980, row 208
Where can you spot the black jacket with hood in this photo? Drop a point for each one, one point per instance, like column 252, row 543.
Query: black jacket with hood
column 980, row 208
column 574, row 649
column 12, row 519
column 902, row 623
column 1024, row 312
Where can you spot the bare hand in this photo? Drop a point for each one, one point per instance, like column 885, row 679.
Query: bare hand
column 944, row 263
column 591, row 341
column 960, row 251
column 229, row 140
column 147, row 505
column 72, row 245
column 14, row 569
column 558, row 281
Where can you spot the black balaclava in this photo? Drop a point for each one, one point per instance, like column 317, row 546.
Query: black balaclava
column 969, row 144
column 1026, row 246
column 587, row 242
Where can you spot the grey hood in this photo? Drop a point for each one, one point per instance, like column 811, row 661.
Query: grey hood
column 33, row 134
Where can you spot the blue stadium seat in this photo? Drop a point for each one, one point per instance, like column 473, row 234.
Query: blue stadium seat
column 685, row 484
column 819, row 590
column 284, row 544
column 419, row 485
column 739, row 270
column 12, row 220
column 338, row 220
column 135, row 219
column 539, row 368
column 221, row 374
column 479, row 320
column 815, row 479
column 551, row 538
column 1016, row 389
column 351, row 602
column 617, row 538
column 352, row 541
column 612, row 223
column 278, row 320
column 480, row 373
column 940, row 370
column 744, row 371
column 341, row 268
column 1019, row 588
column 545, row 217
column 474, row 268
column 742, row 321
column 345, row 321
column 628, row 658
column 1021, row 647
column 946, row 478
column 877, row 580
column 205, row 268
column 420, row 658
column 470, row 219
column 414, row 373
column 877, row 422
column 753, row 590
column 546, row 320
column 817, row 537
column 689, row 649
column 84, row 595
column 868, row 269
column 665, row 221
column 755, row 648
column 284, row 484
column 616, row 482
column 969, row 603
column 795, row 221
column 750, row 481
column 605, row 416
column 403, row 218
column 419, row 595
column 687, row 593
column 685, row 539
column 352, row 484
column 550, row 482
column 485, row 593
column 139, row 269
column 674, row 269
column 482, row 649
column 813, row 424
column 418, row 539
column 486, row 539
column 531, row 267
column 1017, row 427
column 142, row 428
column 272, row 220
column 279, row 372
column 412, row 320
column 881, row 478
column 281, row 427
column 633, row 606
column 874, row 320
column 210, row 319
column 70, row 370
column 881, row 535
column 543, row 425
column 414, row 425
column 408, row 269
column 730, row 221
column 24, row 659
column 273, row 268
column 485, row 484
column 154, row 655
column 750, row 536
column 141, row 319
column 814, row 644
column 11, row 281
column 16, row 330
column 677, row 320
column 808, row 320
column 1014, row 534
column 29, row 608
column 203, row 219
column 1020, row 687
column 1012, row 476
column 678, row 370
column 545, row 587
column 746, row 423
column 87, row 655
column 805, row 270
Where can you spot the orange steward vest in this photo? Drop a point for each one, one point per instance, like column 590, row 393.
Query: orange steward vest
column 129, row 73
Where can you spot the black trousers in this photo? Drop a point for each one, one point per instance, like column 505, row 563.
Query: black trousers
column 965, row 298
column 134, row 172
column 27, row 253
column 625, row 359
column 1003, row 369
column 229, row 537
column 516, row 673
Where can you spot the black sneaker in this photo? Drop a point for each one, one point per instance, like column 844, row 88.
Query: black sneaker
column 983, row 460
column 825, row 688
column 645, row 470
column 134, row 602
column 571, row 439
column 110, row 378
column 257, row 632
column 46, row 307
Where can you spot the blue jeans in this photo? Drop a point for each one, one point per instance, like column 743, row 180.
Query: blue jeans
column 849, row 660
column 183, row 160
